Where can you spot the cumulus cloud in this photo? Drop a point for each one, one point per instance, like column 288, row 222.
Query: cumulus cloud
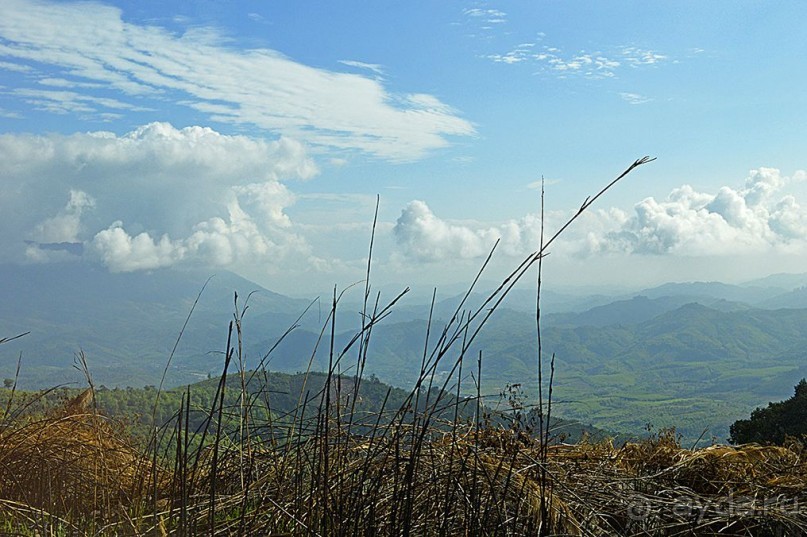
column 99, row 52
column 64, row 227
column 154, row 197
column 215, row 242
column 423, row 236
column 753, row 218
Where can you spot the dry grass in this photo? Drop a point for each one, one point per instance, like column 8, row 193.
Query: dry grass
column 71, row 466
column 76, row 472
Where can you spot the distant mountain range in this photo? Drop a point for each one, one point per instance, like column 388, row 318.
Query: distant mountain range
column 127, row 323
column 695, row 355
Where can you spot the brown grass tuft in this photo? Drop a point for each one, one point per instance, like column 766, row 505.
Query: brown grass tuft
column 70, row 464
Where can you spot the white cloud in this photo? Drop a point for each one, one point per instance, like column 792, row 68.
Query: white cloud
column 755, row 219
column 374, row 67
column 123, row 253
column 731, row 221
column 63, row 83
column 634, row 98
column 489, row 16
column 201, row 68
column 521, row 53
column 153, row 197
column 64, row 102
column 65, row 226
column 271, row 198
column 15, row 67
column 216, row 242
column 636, row 56
column 553, row 61
column 537, row 185
column 423, row 236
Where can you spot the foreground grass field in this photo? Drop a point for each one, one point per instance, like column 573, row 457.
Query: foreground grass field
column 326, row 471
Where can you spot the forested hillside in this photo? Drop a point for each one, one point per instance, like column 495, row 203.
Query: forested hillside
column 695, row 356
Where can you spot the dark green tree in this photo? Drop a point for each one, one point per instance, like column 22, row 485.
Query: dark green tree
column 772, row 425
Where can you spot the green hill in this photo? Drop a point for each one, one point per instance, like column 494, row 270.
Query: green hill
column 695, row 368
column 698, row 366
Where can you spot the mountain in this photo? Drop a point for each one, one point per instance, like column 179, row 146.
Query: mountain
column 797, row 298
column 520, row 300
column 698, row 291
column 783, row 281
column 697, row 356
column 636, row 310
column 125, row 323
column 694, row 367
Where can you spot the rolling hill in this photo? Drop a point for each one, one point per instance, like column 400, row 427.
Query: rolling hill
column 697, row 358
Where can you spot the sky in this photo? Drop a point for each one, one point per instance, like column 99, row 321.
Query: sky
column 257, row 136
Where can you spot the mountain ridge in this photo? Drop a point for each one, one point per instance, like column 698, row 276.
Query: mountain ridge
column 695, row 361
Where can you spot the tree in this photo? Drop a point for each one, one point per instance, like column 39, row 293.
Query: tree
column 8, row 383
column 772, row 425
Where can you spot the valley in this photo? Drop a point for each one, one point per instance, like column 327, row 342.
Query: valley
column 695, row 356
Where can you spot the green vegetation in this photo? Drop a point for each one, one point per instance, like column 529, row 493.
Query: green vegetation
column 777, row 423
column 328, row 468
column 696, row 362
column 273, row 397
column 694, row 368
column 622, row 364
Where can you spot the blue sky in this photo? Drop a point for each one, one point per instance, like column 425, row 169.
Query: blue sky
column 255, row 136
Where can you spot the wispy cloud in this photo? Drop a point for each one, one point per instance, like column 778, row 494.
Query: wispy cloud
column 257, row 87
column 537, row 185
column 521, row 53
column 374, row 67
column 64, row 83
column 487, row 16
column 634, row 98
column 636, row 56
column 15, row 67
column 553, row 61
column 9, row 114
column 64, row 102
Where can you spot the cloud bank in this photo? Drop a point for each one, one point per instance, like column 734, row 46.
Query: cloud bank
column 753, row 219
column 155, row 197
column 104, row 65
